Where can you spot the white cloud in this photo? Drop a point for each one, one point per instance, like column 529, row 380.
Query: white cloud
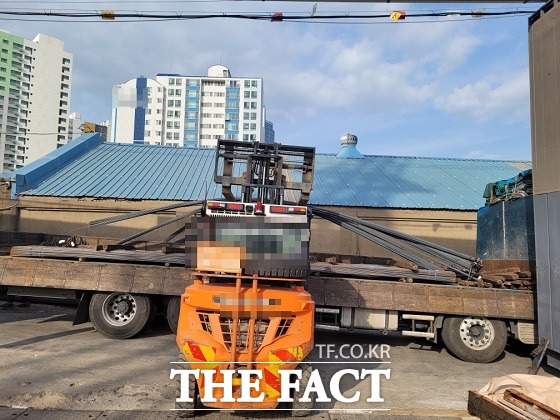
column 497, row 96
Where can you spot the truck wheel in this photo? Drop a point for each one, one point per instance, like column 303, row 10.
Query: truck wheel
column 300, row 408
column 186, row 409
column 173, row 308
column 474, row 339
column 120, row 315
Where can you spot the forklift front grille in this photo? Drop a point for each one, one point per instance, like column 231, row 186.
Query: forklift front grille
column 261, row 326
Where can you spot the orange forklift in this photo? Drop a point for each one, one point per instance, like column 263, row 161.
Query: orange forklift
column 247, row 308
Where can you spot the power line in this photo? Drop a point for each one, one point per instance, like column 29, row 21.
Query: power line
column 275, row 17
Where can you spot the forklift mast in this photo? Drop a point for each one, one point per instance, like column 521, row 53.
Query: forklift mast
column 265, row 173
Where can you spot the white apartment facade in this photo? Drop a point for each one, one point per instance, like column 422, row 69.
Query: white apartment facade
column 177, row 110
column 35, row 80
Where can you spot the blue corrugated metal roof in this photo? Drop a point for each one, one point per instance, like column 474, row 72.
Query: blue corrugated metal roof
column 139, row 172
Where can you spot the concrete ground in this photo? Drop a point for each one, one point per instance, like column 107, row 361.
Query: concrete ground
column 46, row 363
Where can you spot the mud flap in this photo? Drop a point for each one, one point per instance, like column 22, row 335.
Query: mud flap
column 82, row 313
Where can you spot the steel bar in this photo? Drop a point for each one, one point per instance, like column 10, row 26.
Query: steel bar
column 90, row 254
column 159, row 225
column 374, row 270
column 133, row 214
column 424, row 251
column 320, row 211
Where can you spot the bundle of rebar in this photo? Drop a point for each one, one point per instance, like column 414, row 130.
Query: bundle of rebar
column 424, row 254
column 85, row 254
column 382, row 271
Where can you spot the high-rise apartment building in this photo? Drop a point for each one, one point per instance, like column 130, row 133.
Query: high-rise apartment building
column 35, row 79
column 180, row 110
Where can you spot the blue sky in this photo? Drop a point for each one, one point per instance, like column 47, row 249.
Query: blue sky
column 457, row 87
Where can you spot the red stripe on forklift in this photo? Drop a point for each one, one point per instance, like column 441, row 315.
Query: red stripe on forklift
column 271, row 379
column 285, row 355
column 196, row 352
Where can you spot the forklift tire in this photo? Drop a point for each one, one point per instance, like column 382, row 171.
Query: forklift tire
column 173, row 308
column 120, row 315
column 186, row 409
column 300, row 408
column 475, row 339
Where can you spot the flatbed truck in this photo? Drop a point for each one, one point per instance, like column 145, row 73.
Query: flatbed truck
column 430, row 311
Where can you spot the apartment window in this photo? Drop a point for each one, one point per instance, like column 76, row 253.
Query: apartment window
column 232, row 116
column 253, row 94
column 190, row 126
column 171, row 82
column 65, row 61
column 245, row 126
column 63, row 86
column 232, row 126
column 169, row 124
column 158, row 122
column 168, row 136
column 158, row 111
column 176, row 124
column 177, row 114
column 64, row 69
column 175, row 137
column 148, row 112
column 205, row 115
column 159, row 100
column 220, row 94
column 171, row 92
column 205, row 125
column 177, row 102
column 247, row 83
column 148, row 122
column 65, row 78
column 192, row 82
column 252, row 137
column 170, row 102
column 177, row 92
column 219, row 104
column 208, row 104
column 245, row 137
column 206, row 93
column 217, row 126
column 253, row 116
column 218, row 115
column 253, row 127
column 148, row 134
column 178, row 82
column 247, row 94
column 253, row 105
column 253, row 83
column 205, row 136
column 233, row 83
column 246, row 115
column 169, row 113
column 191, row 115
column 192, row 104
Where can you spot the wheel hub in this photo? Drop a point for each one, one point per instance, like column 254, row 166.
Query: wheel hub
column 119, row 308
column 477, row 333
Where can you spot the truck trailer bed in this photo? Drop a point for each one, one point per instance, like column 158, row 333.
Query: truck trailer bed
column 326, row 291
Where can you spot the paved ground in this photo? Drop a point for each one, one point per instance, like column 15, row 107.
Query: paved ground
column 47, row 363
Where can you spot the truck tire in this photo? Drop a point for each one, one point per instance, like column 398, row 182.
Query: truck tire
column 300, row 408
column 173, row 308
column 475, row 339
column 120, row 315
column 186, row 409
